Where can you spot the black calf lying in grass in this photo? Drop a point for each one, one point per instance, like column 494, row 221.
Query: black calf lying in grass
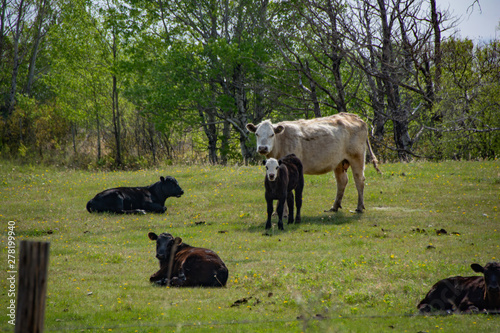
column 282, row 177
column 136, row 200
column 466, row 294
column 182, row 265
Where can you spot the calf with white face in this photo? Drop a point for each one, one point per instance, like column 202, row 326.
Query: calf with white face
column 282, row 178
column 272, row 169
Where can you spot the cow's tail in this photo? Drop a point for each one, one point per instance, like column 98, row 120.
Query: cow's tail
column 372, row 155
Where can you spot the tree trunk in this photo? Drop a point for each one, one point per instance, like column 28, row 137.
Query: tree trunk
column 116, row 122
column 152, row 144
column 210, row 129
column 226, row 136
column 435, row 20
column 2, row 27
column 15, row 68
column 36, row 44
column 98, row 135
column 340, row 97
column 398, row 114
column 73, row 136
column 312, row 90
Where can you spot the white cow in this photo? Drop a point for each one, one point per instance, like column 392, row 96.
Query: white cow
column 323, row 145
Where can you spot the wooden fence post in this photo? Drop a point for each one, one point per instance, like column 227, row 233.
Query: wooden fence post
column 32, row 286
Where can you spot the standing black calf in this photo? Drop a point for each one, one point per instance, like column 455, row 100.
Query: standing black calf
column 282, row 177
column 130, row 200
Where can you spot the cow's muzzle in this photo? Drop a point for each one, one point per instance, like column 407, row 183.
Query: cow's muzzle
column 263, row 150
column 161, row 256
column 271, row 177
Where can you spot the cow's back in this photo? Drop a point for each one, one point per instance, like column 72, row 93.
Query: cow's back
column 454, row 293
column 322, row 143
column 201, row 267
column 295, row 171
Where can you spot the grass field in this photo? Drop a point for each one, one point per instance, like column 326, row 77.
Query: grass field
column 335, row 272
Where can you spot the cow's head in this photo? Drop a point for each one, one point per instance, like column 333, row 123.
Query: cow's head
column 265, row 133
column 272, row 168
column 164, row 244
column 169, row 187
column 491, row 274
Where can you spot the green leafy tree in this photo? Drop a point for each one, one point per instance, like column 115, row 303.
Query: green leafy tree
column 211, row 67
column 469, row 101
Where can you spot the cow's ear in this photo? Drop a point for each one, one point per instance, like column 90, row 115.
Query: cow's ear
column 264, row 162
column 279, row 129
column 153, row 236
column 178, row 241
column 162, row 178
column 279, row 162
column 477, row 268
column 251, row 127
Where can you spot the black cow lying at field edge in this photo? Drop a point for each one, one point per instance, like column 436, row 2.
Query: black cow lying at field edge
column 182, row 265
column 282, row 177
column 136, row 200
column 466, row 294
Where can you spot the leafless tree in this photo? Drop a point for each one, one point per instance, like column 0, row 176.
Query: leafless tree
column 393, row 42
column 311, row 39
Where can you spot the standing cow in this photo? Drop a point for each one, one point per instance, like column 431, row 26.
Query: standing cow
column 323, row 144
column 283, row 177
column 136, row 200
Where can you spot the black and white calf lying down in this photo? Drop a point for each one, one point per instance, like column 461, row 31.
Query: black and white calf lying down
column 136, row 200
column 282, row 177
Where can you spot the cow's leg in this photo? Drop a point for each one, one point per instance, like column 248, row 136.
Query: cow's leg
column 154, row 207
column 134, row 211
column 289, row 200
column 112, row 203
column 285, row 211
column 269, row 213
column 279, row 209
column 358, row 173
column 179, row 281
column 298, row 203
column 118, row 205
column 341, row 177
column 160, row 277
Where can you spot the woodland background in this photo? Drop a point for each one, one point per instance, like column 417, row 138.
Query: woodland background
column 129, row 83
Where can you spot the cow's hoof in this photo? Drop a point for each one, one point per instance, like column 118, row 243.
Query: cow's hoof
column 268, row 225
column 334, row 210
column 359, row 211
column 298, row 220
column 280, row 226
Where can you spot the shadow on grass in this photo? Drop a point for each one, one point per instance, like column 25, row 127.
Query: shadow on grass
column 338, row 218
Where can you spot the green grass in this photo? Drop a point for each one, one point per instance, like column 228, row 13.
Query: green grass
column 335, row 272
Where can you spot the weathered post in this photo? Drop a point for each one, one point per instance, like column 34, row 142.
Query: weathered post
column 32, row 286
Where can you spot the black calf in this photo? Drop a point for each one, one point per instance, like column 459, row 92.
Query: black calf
column 130, row 200
column 282, row 177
